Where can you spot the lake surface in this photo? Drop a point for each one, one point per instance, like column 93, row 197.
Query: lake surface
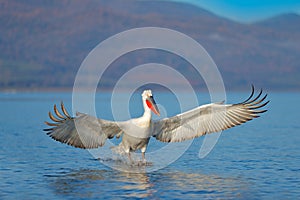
column 258, row 160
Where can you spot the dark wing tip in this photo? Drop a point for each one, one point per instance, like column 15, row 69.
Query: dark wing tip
column 256, row 100
column 253, row 104
column 58, row 117
column 64, row 110
column 48, row 129
column 51, row 124
column 251, row 95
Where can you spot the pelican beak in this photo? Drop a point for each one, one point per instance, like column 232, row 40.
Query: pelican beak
column 152, row 105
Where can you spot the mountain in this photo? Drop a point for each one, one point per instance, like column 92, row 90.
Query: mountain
column 43, row 42
column 285, row 22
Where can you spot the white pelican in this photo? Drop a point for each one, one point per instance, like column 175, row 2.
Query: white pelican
column 91, row 132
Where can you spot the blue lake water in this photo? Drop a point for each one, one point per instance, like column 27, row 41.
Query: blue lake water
column 258, row 160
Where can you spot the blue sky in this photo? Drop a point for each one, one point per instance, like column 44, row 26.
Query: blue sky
column 247, row 10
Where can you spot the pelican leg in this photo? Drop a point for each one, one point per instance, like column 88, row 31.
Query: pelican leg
column 143, row 156
column 129, row 157
column 143, row 150
column 144, row 161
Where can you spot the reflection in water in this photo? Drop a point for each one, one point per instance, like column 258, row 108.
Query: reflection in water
column 101, row 183
column 206, row 186
column 137, row 185
column 111, row 183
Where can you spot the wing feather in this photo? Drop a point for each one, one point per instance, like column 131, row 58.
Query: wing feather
column 83, row 131
column 54, row 118
column 209, row 118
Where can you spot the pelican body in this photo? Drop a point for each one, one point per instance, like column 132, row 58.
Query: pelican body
column 85, row 131
column 137, row 132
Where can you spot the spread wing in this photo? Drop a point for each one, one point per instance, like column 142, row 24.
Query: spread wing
column 83, row 131
column 208, row 118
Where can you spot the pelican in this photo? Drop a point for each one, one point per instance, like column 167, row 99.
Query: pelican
column 85, row 131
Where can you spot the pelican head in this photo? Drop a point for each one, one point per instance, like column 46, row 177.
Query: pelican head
column 148, row 101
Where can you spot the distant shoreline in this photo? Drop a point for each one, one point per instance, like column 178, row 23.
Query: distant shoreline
column 66, row 89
